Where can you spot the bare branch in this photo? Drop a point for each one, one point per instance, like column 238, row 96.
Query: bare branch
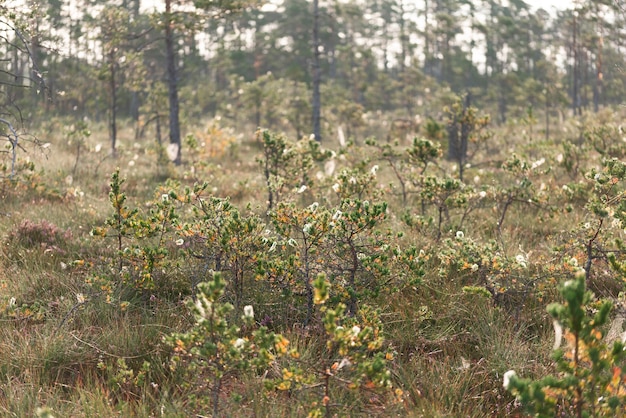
column 14, row 145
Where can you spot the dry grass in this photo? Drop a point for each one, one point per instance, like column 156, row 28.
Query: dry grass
column 452, row 347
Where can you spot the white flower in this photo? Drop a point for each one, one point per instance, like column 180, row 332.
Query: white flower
column 63, row 265
column 302, row 188
column 337, row 215
column 559, row 158
column 507, row 378
column 131, row 163
column 356, row 330
column 292, row 242
column 374, row 169
column 343, row 363
column 180, row 242
column 273, row 247
column 474, row 267
column 460, row 235
column 336, row 187
column 239, row 343
column 482, row 194
column 537, row 163
column 12, row 302
column 313, row 207
column 352, row 180
column 476, row 179
column 521, row 260
column 307, row 228
column 202, row 300
column 248, row 311
column 98, row 148
column 165, row 197
column 80, row 298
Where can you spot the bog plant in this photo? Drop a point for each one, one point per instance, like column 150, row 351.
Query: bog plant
column 591, row 372
column 221, row 238
column 140, row 239
column 408, row 165
column 213, row 349
column 357, row 256
column 287, row 165
column 355, row 357
column 300, row 235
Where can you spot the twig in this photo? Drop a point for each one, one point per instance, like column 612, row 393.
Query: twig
column 14, row 145
column 101, row 351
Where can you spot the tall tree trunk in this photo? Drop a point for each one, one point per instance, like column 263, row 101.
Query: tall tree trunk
column 597, row 91
column 427, row 69
column 172, row 82
column 317, row 74
column 547, row 115
column 575, row 94
column 113, row 109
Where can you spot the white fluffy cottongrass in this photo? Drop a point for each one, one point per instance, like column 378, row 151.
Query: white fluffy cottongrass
column 201, row 302
column 460, row 235
column 506, row 381
column 248, row 311
column 522, row 260
column 537, row 163
column 239, row 343
column 172, row 151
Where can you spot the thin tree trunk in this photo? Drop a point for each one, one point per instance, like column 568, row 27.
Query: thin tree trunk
column 575, row 98
column 172, row 82
column 317, row 74
column 113, row 115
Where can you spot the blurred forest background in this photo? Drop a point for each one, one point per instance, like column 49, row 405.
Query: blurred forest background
column 381, row 65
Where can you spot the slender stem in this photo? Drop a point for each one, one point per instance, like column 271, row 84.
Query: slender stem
column 14, row 142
